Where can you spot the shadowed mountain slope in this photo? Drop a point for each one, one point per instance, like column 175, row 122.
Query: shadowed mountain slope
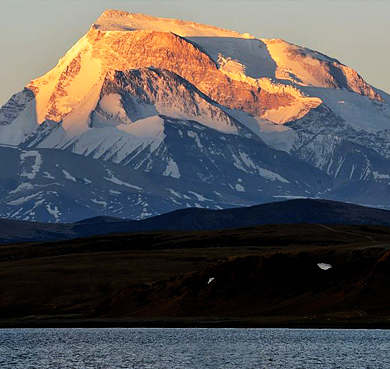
column 284, row 212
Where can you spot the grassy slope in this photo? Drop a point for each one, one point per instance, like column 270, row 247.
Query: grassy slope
column 70, row 279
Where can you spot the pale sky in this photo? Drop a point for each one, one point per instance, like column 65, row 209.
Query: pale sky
column 34, row 34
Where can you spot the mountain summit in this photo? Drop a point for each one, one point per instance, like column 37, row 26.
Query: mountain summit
column 169, row 114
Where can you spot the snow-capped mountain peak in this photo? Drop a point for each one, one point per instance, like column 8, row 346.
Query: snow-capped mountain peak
column 204, row 107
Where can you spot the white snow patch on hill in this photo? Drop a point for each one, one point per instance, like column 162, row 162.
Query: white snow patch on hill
column 119, row 182
column 68, row 176
column 239, row 187
column 199, row 196
column 380, row 176
column 47, row 175
column 22, row 187
column 172, row 169
column 100, row 202
column 35, row 167
column 267, row 174
column 324, row 266
column 54, row 212
column 24, row 199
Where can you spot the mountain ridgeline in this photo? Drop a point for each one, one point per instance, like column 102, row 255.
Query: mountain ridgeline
column 145, row 115
column 304, row 211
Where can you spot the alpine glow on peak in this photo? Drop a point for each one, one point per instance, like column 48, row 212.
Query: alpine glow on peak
column 190, row 108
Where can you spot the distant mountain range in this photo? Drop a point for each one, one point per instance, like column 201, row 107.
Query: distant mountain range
column 286, row 212
column 147, row 115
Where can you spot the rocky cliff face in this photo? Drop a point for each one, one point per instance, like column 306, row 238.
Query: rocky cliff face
column 206, row 107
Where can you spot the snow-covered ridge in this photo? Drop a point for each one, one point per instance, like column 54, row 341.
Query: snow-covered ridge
column 280, row 114
column 169, row 95
column 64, row 87
column 293, row 62
column 306, row 67
column 116, row 20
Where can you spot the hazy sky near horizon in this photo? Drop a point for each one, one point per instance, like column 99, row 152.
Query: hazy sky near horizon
column 34, row 34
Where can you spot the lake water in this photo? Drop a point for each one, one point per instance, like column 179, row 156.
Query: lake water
column 194, row 348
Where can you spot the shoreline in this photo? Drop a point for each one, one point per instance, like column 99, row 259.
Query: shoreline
column 219, row 323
